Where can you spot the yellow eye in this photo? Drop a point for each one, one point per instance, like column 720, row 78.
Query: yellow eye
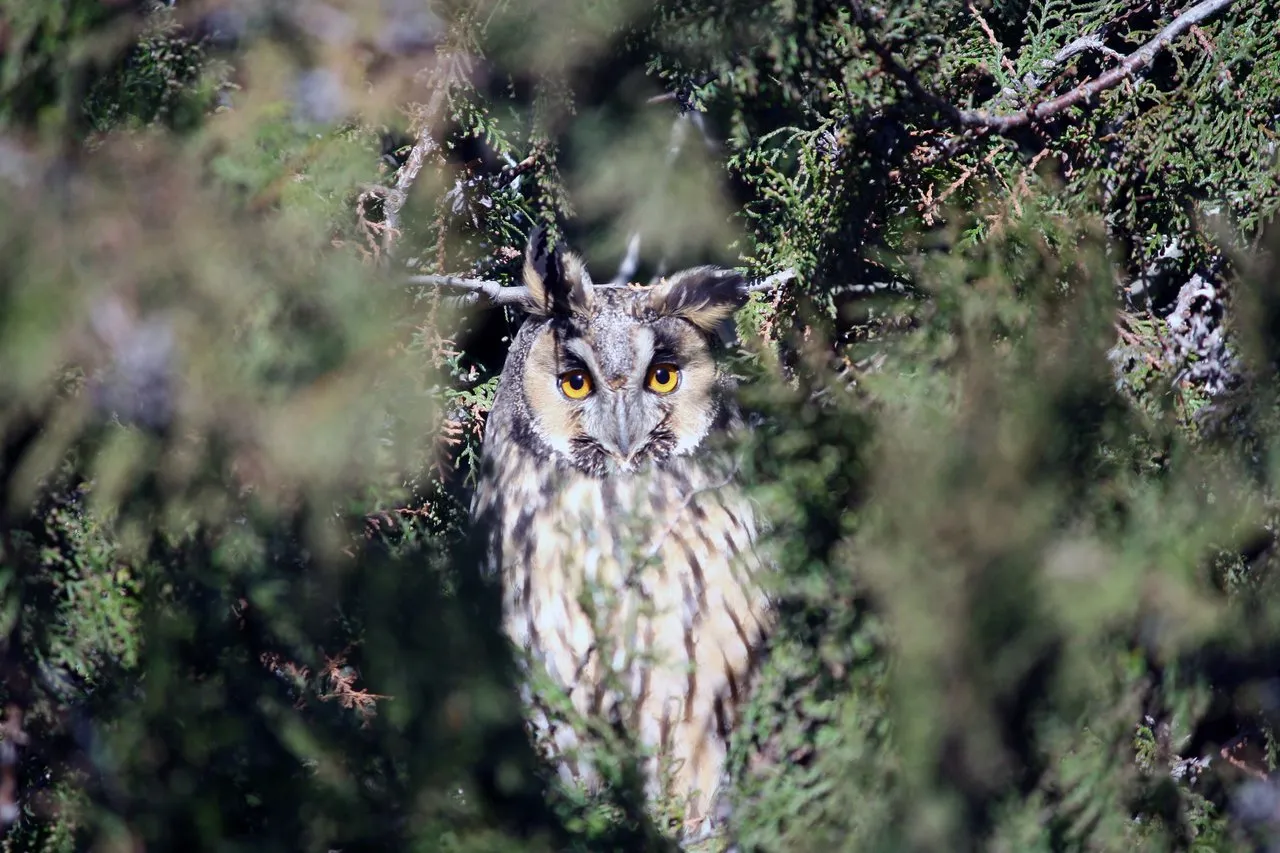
column 663, row 378
column 575, row 384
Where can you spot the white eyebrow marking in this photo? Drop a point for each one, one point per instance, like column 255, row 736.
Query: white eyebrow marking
column 643, row 341
column 579, row 348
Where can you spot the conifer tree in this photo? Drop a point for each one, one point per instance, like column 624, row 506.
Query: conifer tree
column 1014, row 387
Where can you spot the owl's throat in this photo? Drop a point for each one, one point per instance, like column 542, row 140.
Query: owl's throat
column 595, row 459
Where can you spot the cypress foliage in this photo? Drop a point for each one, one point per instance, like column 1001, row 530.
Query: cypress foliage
column 1016, row 411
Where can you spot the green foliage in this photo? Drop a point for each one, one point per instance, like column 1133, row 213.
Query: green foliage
column 1016, row 415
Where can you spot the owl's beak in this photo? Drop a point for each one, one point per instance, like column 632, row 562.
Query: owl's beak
column 627, row 432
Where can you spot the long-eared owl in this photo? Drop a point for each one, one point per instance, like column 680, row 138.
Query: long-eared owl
column 626, row 552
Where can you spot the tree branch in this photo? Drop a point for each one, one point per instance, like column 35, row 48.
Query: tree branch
column 679, row 130
column 475, row 291
column 424, row 147
column 630, row 261
column 983, row 120
column 1134, row 62
column 1092, row 41
column 769, row 283
column 510, row 173
column 492, row 294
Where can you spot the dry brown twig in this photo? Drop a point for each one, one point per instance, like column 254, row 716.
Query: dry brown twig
column 344, row 691
column 1231, row 751
column 929, row 205
column 1005, row 62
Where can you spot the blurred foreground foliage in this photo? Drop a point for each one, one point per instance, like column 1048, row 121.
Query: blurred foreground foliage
column 1017, row 414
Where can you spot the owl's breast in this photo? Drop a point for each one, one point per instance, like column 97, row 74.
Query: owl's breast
column 638, row 595
column 618, row 568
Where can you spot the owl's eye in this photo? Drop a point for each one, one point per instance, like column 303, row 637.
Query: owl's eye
column 575, row 384
column 663, row 378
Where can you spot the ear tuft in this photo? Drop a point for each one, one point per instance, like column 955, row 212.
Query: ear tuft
column 558, row 282
column 705, row 296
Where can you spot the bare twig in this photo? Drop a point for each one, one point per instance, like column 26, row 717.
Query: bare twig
column 1134, row 62
column 772, row 281
column 493, row 294
column 1093, row 41
column 929, row 205
column 981, row 119
column 1033, row 81
column 423, row 148
column 679, row 130
column 687, row 115
column 630, row 261
column 486, row 293
column 510, row 173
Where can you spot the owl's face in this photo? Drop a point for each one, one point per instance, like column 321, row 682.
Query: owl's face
column 614, row 378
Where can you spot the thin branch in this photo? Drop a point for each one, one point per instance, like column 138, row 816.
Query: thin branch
column 1134, row 62
column 476, row 291
column 491, row 293
column 1005, row 62
column 1032, row 82
column 769, row 283
column 1093, row 41
column 630, row 261
column 510, row 173
column 687, row 115
column 981, row 119
column 423, row 148
column 679, row 130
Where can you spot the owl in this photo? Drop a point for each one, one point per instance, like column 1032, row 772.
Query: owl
column 626, row 551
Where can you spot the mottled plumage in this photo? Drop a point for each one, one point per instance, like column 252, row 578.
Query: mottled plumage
column 618, row 531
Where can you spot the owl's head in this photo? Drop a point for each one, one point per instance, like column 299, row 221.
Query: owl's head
column 612, row 378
